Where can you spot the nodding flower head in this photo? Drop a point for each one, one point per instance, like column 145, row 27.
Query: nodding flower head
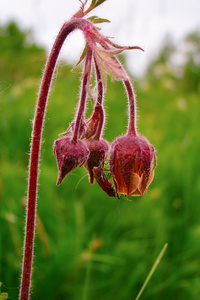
column 69, row 155
column 132, row 162
column 131, row 156
column 98, row 153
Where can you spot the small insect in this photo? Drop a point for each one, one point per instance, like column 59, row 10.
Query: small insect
column 104, row 183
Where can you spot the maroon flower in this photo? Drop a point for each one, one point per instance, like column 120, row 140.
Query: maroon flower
column 69, row 155
column 98, row 153
column 132, row 162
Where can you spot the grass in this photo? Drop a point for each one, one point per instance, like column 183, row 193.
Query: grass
column 84, row 249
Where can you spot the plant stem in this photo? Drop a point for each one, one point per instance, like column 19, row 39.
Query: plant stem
column 157, row 261
column 99, row 83
column 35, row 152
column 98, row 105
column 132, row 128
column 81, row 109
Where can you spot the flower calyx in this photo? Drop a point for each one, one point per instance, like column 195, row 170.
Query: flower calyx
column 132, row 163
column 98, row 153
column 69, row 155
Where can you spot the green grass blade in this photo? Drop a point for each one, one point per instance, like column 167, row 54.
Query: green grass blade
column 157, row 261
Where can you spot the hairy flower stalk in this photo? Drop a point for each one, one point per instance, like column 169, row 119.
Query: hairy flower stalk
column 131, row 156
column 67, row 28
column 132, row 127
column 70, row 152
column 34, row 158
column 97, row 146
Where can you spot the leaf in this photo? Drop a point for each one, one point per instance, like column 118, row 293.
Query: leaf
column 96, row 19
column 152, row 270
column 93, row 4
column 98, row 2
column 81, row 57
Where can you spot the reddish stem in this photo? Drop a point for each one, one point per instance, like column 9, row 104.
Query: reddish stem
column 99, row 83
column 132, row 128
column 81, row 108
column 35, row 151
column 99, row 100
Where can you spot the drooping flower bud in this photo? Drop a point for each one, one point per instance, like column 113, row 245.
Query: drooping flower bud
column 132, row 162
column 98, row 153
column 69, row 155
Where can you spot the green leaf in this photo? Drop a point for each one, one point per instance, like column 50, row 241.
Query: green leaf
column 157, row 261
column 96, row 19
column 98, row 2
column 94, row 4
column 81, row 57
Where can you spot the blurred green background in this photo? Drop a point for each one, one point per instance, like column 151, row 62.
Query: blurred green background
column 84, row 249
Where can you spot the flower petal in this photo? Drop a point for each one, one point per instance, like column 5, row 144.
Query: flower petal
column 118, row 179
column 134, row 183
column 146, row 181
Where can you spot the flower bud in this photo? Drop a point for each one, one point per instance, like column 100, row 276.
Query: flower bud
column 98, row 153
column 69, row 155
column 131, row 163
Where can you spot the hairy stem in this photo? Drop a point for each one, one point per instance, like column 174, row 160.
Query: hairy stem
column 99, row 83
column 35, row 151
column 132, row 128
column 99, row 100
column 81, row 109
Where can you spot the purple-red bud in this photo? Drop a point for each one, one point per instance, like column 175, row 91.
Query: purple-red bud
column 132, row 162
column 69, row 155
column 98, row 153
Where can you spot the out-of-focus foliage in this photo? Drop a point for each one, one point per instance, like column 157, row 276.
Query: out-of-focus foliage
column 181, row 61
column 84, row 248
column 19, row 54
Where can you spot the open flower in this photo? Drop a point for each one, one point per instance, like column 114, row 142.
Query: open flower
column 132, row 162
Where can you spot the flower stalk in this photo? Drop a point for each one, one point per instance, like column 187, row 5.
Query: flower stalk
column 81, row 110
column 38, row 121
column 132, row 127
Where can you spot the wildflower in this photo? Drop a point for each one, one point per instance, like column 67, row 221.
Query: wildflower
column 98, row 153
column 132, row 157
column 69, row 155
column 132, row 162
column 97, row 146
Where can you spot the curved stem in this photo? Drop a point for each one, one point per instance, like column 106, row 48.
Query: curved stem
column 35, row 151
column 132, row 130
